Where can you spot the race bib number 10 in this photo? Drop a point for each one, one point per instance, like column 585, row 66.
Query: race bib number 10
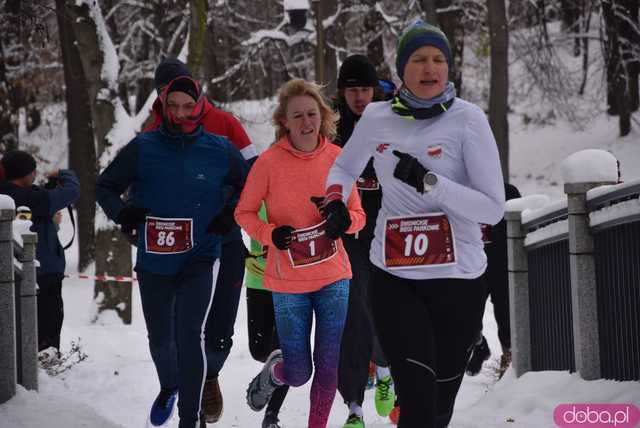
column 311, row 246
column 168, row 235
column 420, row 240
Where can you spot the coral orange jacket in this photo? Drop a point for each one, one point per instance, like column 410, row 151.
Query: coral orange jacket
column 285, row 179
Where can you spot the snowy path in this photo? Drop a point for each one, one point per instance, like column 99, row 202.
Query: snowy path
column 115, row 385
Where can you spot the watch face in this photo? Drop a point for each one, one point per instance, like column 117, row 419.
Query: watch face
column 431, row 179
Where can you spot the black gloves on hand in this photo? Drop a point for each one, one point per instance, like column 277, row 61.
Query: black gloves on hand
column 281, row 237
column 338, row 218
column 223, row 222
column 410, row 171
column 319, row 202
column 130, row 217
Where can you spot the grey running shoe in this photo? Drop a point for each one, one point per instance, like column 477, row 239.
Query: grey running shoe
column 262, row 386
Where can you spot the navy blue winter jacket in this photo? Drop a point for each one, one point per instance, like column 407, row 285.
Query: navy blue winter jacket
column 174, row 176
column 44, row 203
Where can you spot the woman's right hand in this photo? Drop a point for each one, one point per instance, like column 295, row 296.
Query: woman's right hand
column 282, row 236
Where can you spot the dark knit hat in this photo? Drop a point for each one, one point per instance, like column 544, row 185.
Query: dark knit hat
column 167, row 70
column 357, row 70
column 18, row 164
column 186, row 85
column 417, row 35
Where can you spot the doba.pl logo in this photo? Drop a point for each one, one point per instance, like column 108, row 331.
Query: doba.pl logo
column 596, row 415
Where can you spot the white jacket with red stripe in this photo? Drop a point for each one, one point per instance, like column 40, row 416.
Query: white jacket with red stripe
column 459, row 147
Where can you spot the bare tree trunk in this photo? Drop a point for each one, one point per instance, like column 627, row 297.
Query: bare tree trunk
column 318, row 8
column 498, row 99
column 113, row 252
column 618, row 97
column 373, row 23
column 451, row 23
column 330, row 61
column 197, row 36
column 82, row 152
column 586, row 18
column 8, row 108
column 430, row 13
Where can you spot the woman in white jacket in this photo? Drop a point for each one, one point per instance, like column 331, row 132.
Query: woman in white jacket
column 438, row 165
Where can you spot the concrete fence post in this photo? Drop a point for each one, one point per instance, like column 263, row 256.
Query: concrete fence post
column 28, row 376
column 584, row 300
column 518, row 264
column 8, row 372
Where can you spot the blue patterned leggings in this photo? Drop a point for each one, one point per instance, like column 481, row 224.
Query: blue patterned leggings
column 294, row 316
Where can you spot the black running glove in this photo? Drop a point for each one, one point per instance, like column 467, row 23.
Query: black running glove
column 338, row 218
column 319, row 202
column 282, row 236
column 410, row 171
column 130, row 217
column 223, row 222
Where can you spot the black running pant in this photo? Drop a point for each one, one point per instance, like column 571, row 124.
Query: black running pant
column 427, row 328
column 263, row 336
column 359, row 341
column 50, row 310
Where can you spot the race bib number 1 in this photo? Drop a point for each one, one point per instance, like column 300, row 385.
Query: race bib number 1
column 311, row 246
column 168, row 235
column 420, row 240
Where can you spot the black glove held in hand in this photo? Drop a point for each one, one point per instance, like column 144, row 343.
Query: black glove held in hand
column 130, row 217
column 319, row 202
column 338, row 218
column 281, row 237
column 410, row 171
column 223, row 222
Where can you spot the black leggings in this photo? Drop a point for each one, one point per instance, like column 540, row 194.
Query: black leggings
column 359, row 342
column 263, row 336
column 427, row 328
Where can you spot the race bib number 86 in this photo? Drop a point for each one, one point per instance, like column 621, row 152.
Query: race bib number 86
column 168, row 235
column 420, row 240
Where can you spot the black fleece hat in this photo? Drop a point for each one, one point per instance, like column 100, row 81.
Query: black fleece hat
column 167, row 70
column 186, row 85
column 357, row 70
column 18, row 164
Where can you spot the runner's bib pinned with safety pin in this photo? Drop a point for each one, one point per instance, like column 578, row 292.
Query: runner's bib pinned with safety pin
column 168, row 235
column 418, row 240
column 311, row 246
column 367, row 184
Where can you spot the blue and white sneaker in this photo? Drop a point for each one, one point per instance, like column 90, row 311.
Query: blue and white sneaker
column 163, row 405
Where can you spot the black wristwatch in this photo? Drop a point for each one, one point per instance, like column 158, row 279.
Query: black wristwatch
column 430, row 180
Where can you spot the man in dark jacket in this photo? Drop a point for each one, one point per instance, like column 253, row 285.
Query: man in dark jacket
column 222, row 317
column 183, row 182
column 44, row 202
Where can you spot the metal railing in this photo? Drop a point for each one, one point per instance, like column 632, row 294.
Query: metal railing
column 550, row 291
column 574, row 277
column 18, row 309
column 617, row 261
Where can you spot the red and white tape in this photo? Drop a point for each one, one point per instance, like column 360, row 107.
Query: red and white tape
column 104, row 278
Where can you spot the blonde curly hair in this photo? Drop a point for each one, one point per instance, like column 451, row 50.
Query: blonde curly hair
column 298, row 87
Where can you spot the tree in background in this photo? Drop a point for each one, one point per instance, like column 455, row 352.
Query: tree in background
column 82, row 150
column 499, row 98
column 30, row 75
column 622, row 55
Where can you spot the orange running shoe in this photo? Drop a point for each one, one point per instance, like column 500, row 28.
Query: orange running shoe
column 394, row 416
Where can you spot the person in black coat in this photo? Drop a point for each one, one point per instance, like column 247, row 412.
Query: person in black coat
column 62, row 189
column 497, row 276
column 358, row 85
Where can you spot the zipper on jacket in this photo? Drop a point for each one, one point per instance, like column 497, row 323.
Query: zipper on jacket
column 278, row 273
